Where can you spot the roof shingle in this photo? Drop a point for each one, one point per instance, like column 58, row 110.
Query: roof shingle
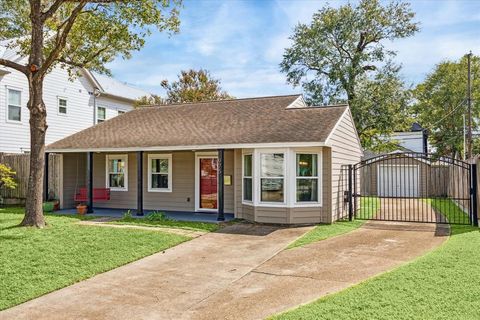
column 239, row 121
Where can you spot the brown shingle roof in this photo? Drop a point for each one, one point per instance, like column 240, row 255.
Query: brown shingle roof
column 240, row 121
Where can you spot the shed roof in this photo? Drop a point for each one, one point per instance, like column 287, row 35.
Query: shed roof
column 216, row 123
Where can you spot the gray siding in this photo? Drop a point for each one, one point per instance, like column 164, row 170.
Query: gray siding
column 182, row 197
column 346, row 149
column 74, row 176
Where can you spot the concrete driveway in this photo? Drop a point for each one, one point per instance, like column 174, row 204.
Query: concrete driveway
column 238, row 273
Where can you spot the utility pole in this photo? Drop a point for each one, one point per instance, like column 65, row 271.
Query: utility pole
column 469, row 104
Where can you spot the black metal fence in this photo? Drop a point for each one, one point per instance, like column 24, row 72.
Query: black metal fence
column 413, row 187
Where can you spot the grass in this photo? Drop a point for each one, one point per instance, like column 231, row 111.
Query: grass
column 443, row 284
column 158, row 219
column 34, row 261
column 368, row 206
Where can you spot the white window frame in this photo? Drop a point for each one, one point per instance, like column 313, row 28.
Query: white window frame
column 152, row 156
column 257, row 161
column 290, row 177
column 319, row 178
column 244, row 201
column 58, row 106
column 96, row 115
column 7, row 89
column 123, row 157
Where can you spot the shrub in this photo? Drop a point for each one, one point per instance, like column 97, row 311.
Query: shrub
column 157, row 216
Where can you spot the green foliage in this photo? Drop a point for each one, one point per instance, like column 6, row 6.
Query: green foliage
column 7, row 180
column 442, row 284
column 157, row 216
column 127, row 214
column 86, row 33
column 148, row 101
column 381, row 105
column 160, row 221
column 194, row 86
column 341, row 55
column 441, row 103
column 37, row 261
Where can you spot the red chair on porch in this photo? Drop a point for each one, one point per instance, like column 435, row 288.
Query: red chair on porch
column 98, row 194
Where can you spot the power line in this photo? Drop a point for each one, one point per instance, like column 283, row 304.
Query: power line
column 450, row 112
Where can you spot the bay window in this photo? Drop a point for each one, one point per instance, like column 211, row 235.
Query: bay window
column 272, row 177
column 307, row 177
column 117, row 172
column 247, row 177
column 282, row 177
column 159, row 172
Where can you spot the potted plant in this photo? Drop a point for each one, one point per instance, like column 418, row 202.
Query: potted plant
column 52, row 204
column 81, row 208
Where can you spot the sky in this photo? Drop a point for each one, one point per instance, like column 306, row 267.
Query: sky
column 242, row 43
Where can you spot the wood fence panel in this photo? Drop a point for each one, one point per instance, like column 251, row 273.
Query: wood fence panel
column 20, row 163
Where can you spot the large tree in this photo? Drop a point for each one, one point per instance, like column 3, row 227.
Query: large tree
column 381, row 105
column 73, row 35
column 194, row 86
column 333, row 56
column 148, row 101
column 441, row 103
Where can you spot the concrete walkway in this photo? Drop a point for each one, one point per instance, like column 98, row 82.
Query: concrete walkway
column 238, row 273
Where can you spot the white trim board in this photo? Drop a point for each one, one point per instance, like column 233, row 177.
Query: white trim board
column 197, row 147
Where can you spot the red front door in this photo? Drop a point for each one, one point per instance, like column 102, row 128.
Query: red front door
column 208, row 183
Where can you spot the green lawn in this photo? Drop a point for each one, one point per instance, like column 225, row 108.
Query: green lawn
column 443, row 284
column 36, row 261
column 368, row 206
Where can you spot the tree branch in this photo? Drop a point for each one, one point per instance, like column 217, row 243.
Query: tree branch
column 53, row 8
column 14, row 65
column 62, row 36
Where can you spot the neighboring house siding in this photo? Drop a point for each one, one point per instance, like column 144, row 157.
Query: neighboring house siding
column 15, row 136
column 182, row 197
column 410, row 140
column 346, row 149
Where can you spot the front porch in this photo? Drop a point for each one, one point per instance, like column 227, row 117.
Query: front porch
column 187, row 185
column 174, row 215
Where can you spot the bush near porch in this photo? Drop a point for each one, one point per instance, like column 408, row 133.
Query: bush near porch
column 443, row 284
column 37, row 261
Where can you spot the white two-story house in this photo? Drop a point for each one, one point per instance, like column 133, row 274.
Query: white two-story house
column 72, row 105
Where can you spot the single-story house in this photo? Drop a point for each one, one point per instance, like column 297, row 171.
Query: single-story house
column 268, row 159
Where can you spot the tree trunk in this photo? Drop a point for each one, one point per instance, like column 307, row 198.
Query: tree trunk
column 38, row 128
column 38, row 123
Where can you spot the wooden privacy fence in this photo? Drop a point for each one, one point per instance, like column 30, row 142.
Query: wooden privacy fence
column 20, row 163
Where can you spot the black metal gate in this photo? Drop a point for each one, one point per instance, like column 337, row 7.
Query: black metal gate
column 413, row 187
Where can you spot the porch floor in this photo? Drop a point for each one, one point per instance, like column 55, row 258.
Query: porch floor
column 174, row 215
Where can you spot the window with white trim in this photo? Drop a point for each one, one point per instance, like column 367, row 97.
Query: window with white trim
column 62, row 106
column 307, row 177
column 14, row 105
column 272, row 177
column 117, row 172
column 247, row 177
column 101, row 114
column 159, row 172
